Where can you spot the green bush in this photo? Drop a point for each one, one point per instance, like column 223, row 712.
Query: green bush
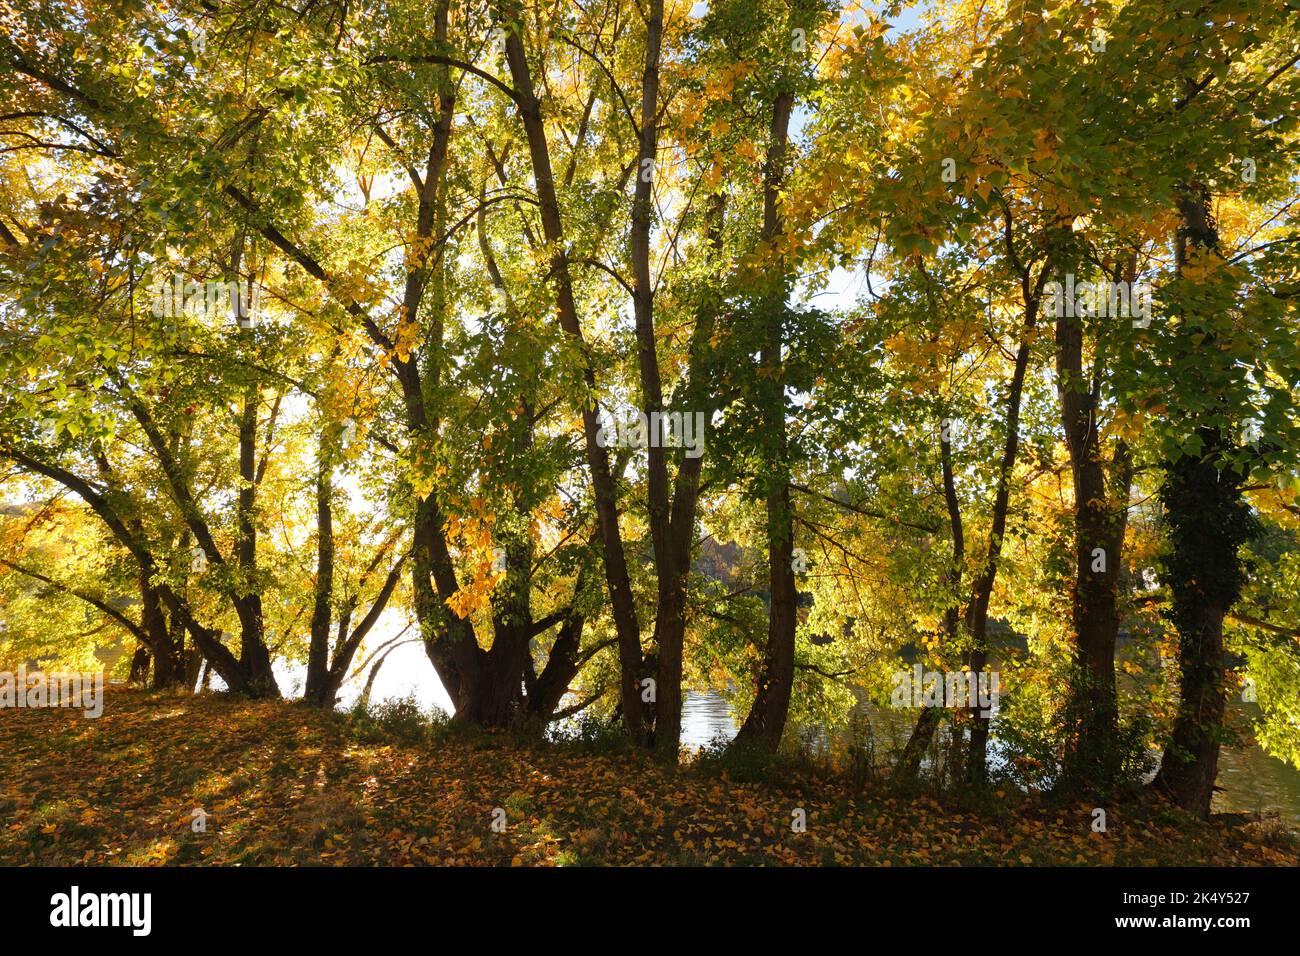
column 397, row 719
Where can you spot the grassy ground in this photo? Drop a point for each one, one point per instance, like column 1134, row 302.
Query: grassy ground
column 286, row 785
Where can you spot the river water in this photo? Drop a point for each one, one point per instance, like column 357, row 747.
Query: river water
column 1252, row 781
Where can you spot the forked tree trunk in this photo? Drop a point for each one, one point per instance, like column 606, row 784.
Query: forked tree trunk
column 622, row 606
column 168, row 664
column 927, row 722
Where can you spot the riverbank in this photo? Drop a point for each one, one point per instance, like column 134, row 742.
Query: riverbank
column 280, row 784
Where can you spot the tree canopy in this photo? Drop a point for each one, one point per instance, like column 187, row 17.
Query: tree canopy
column 628, row 347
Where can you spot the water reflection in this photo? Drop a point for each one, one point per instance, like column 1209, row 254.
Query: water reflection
column 1253, row 781
column 1250, row 779
column 706, row 718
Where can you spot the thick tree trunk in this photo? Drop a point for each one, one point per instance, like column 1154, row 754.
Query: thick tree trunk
column 139, row 665
column 1093, row 710
column 502, row 668
column 1190, row 763
column 1208, row 522
column 669, row 631
column 674, row 576
column 529, row 712
column 449, row 641
column 254, row 655
column 192, row 656
column 765, row 723
column 168, row 665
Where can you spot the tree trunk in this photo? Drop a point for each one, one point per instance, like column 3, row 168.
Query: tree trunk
column 363, row 701
column 622, row 605
column 1190, row 763
column 317, row 690
column 139, row 665
column 546, row 690
column 1208, row 521
column 1092, row 710
column 193, row 657
column 765, row 723
column 168, row 666
column 927, row 722
column 977, row 612
column 669, row 631
column 254, row 656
